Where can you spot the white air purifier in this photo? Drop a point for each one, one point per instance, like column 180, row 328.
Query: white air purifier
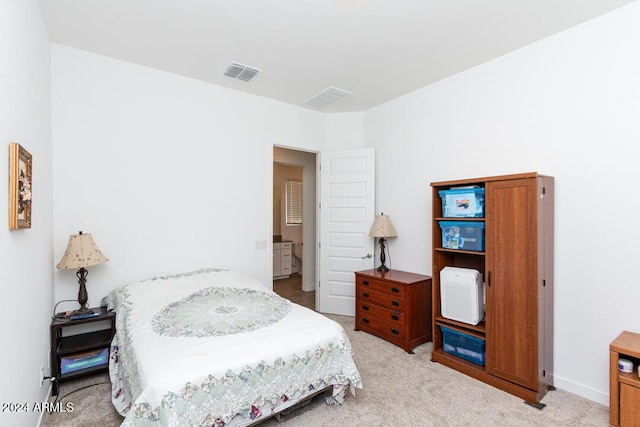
column 462, row 295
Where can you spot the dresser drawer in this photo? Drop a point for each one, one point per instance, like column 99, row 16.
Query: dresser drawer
column 385, row 287
column 389, row 328
column 381, row 315
column 384, row 299
column 285, row 269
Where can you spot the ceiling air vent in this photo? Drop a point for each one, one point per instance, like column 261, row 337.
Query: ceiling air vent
column 328, row 96
column 241, row 72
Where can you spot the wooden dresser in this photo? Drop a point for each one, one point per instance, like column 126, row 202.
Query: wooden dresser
column 394, row 305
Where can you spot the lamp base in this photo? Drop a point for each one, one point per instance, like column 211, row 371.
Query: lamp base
column 383, row 258
column 82, row 293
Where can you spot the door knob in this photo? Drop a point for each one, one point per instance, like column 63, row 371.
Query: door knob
column 367, row 256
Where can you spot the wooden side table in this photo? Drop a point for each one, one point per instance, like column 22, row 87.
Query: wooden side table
column 394, row 305
column 624, row 388
column 67, row 344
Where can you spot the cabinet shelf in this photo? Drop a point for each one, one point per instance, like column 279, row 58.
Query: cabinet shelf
column 460, row 218
column 629, row 378
column 83, row 342
column 475, row 330
column 459, row 251
column 457, row 363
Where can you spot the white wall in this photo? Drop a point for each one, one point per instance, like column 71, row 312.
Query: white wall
column 567, row 106
column 168, row 173
column 344, row 130
column 26, row 255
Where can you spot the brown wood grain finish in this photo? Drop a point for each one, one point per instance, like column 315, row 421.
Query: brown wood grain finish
column 394, row 305
column 624, row 388
column 517, row 268
column 512, row 320
column 629, row 406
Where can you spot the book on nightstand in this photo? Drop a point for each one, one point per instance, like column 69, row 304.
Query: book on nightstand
column 70, row 316
column 84, row 315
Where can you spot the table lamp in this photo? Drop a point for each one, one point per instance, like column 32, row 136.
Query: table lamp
column 81, row 252
column 382, row 228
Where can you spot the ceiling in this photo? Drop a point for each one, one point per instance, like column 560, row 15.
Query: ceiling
column 376, row 49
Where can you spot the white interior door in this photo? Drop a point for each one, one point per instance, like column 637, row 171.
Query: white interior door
column 347, row 187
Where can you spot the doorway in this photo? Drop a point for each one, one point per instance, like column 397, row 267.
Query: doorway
column 299, row 285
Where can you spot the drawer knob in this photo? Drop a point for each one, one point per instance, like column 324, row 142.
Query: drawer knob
column 395, row 317
column 365, row 294
column 395, row 290
column 365, row 282
column 365, row 307
column 365, row 320
column 395, row 303
column 395, row 331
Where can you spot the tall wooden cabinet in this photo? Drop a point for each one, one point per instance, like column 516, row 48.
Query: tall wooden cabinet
column 517, row 269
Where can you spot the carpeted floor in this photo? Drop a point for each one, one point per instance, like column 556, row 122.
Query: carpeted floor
column 400, row 389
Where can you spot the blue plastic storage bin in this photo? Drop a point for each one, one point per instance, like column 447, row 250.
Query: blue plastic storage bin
column 464, row 235
column 463, row 345
column 462, row 202
column 86, row 360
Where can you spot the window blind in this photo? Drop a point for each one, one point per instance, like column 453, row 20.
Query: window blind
column 294, row 202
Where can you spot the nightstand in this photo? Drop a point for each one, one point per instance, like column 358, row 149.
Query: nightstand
column 624, row 388
column 77, row 346
column 394, row 305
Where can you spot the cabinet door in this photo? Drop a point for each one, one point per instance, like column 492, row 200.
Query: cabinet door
column 277, row 264
column 285, row 259
column 511, row 279
column 629, row 406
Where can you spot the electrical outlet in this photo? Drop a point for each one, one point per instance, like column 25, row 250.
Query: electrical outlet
column 41, row 375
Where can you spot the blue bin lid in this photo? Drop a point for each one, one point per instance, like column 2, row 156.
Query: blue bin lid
column 461, row 191
column 477, row 224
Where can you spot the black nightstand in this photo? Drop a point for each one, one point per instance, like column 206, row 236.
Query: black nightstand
column 69, row 344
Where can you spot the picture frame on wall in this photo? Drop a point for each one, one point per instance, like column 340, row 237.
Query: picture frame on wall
column 20, row 186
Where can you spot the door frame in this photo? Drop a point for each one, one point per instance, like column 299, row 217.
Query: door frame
column 309, row 214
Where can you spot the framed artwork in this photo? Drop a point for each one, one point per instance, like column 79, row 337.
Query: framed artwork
column 20, row 186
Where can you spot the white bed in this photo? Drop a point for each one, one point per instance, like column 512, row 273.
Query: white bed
column 216, row 347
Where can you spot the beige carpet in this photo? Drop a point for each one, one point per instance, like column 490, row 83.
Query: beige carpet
column 400, row 389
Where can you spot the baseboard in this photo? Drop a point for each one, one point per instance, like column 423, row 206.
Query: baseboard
column 42, row 413
column 581, row 390
column 308, row 287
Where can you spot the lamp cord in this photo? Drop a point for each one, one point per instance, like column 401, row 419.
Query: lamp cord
column 58, row 303
column 388, row 254
column 59, row 398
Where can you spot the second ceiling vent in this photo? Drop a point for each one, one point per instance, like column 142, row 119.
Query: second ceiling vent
column 241, row 72
column 328, row 96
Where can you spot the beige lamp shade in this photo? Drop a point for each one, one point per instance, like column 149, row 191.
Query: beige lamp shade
column 382, row 227
column 81, row 252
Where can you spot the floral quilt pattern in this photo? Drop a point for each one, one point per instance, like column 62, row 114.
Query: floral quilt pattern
column 220, row 311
